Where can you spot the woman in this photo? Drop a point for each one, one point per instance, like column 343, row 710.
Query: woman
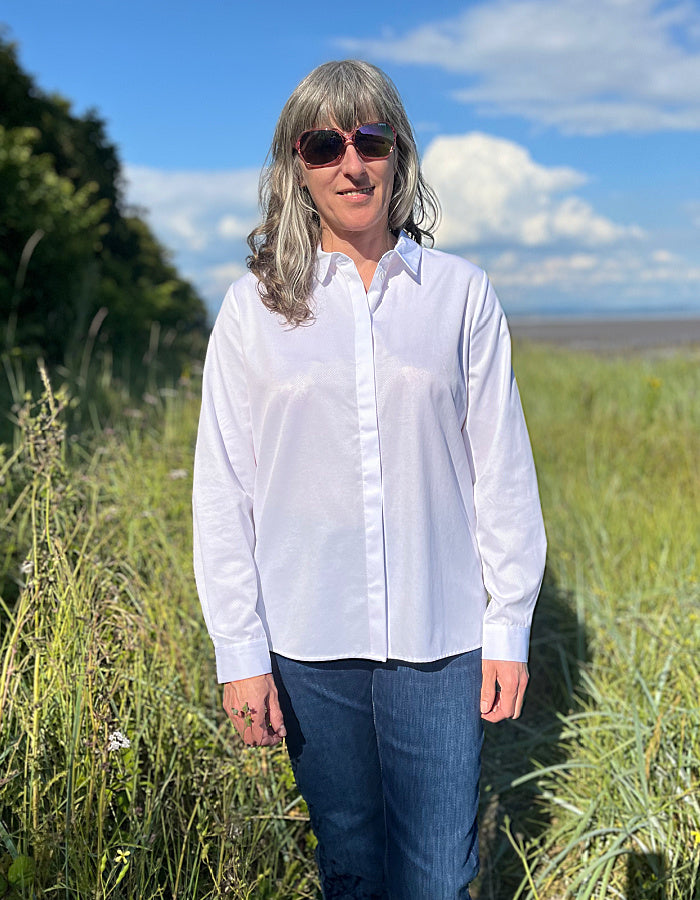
column 363, row 480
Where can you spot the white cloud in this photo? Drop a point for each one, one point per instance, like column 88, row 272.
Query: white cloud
column 233, row 227
column 613, row 279
column 493, row 192
column 189, row 209
column 580, row 66
column 215, row 280
column 203, row 217
column 543, row 245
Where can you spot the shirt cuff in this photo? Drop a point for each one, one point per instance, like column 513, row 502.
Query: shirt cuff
column 236, row 661
column 507, row 642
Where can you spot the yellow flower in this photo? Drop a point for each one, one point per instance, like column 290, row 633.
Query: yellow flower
column 122, row 856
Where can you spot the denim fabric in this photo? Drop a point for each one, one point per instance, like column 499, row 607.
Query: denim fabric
column 387, row 757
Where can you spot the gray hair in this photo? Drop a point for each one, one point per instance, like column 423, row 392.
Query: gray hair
column 284, row 245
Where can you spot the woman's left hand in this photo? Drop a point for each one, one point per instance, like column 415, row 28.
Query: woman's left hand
column 503, row 685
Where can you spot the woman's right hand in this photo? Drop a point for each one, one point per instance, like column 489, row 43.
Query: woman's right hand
column 253, row 707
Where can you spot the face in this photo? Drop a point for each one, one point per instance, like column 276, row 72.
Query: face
column 352, row 197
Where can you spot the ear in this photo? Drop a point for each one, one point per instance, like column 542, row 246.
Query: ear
column 300, row 173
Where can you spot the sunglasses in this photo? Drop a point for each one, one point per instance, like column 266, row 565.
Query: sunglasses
column 326, row 146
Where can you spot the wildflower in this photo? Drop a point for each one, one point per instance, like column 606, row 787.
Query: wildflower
column 695, row 835
column 118, row 741
column 27, row 567
column 175, row 474
column 122, row 856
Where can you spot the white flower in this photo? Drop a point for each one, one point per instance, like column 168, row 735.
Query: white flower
column 174, row 474
column 118, row 741
column 27, row 567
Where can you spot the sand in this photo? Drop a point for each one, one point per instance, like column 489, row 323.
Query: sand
column 607, row 335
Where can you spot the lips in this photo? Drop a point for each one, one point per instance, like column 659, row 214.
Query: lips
column 351, row 192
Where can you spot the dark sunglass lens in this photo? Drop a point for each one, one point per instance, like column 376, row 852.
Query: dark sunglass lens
column 320, row 147
column 374, row 141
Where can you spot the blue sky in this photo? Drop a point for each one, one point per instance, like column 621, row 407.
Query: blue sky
column 563, row 136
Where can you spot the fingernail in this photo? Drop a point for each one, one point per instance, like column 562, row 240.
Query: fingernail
column 484, row 706
column 282, row 732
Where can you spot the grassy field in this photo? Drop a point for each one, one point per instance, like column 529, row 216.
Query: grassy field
column 119, row 777
column 614, row 793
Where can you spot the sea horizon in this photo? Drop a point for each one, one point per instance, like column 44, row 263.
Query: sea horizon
column 578, row 313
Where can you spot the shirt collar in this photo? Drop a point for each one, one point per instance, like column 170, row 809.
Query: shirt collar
column 406, row 250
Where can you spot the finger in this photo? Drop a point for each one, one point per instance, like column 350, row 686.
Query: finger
column 488, row 686
column 232, row 707
column 520, row 699
column 496, row 713
column 256, row 732
column 261, row 732
column 244, row 723
column 275, row 716
column 245, row 718
column 242, row 727
column 509, row 702
column 508, row 679
column 270, row 739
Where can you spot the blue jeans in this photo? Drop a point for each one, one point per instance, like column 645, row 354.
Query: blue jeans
column 387, row 757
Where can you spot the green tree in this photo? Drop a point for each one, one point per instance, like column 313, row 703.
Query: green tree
column 49, row 234
column 71, row 254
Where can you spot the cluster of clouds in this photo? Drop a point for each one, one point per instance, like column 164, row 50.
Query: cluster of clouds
column 582, row 67
column 501, row 208
column 203, row 217
column 493, row 192
column 522, row 221
column 575, row 66
column 542, row 244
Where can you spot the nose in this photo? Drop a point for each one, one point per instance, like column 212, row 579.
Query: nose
column 352, row 163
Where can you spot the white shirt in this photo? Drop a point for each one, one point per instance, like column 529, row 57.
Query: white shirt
column 362, row 482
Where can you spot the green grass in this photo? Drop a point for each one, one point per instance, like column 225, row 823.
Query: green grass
column 617, row 804
column 106, row 636
column 593, row 793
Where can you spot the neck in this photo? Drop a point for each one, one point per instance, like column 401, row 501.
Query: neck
column 362, row 247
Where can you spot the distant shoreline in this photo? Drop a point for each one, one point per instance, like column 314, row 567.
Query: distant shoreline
column 608, row 334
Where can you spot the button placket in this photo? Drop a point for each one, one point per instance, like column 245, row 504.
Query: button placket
column 371, row 463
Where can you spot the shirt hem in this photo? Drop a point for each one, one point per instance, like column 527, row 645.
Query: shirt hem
column 376, row 657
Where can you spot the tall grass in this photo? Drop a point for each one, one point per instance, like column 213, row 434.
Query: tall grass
column 617, row 443
column 594, row 793
column 118, row 775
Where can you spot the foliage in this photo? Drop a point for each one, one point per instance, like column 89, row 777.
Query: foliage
column 617, row 443
column 119, row 775
column 47, row 224
column 72, row 257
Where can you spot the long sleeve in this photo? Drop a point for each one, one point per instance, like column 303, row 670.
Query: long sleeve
column 509, row 526
column 224, row 534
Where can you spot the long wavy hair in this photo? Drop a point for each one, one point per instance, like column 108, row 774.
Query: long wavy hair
column 283, row 247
